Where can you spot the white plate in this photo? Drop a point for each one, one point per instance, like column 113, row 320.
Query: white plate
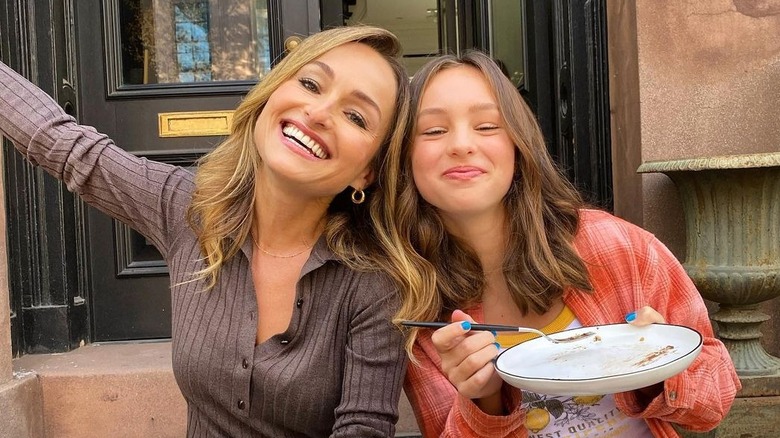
column 619, row 357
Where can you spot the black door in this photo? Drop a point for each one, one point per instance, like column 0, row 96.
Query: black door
column 161, row 78
column 45, row 240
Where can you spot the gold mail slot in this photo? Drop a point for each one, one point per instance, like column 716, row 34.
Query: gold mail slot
column 195, row 123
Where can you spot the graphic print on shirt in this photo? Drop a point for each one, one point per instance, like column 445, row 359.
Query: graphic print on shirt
column 575, row 417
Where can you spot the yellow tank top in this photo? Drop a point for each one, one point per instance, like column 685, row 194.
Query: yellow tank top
column 561, row 322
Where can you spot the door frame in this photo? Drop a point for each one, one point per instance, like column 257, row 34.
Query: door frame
column 47, row 276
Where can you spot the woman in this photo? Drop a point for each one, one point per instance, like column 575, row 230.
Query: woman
column 497, row 235
column 281, row 322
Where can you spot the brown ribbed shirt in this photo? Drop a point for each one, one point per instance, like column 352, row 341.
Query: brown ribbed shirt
column 338, row 368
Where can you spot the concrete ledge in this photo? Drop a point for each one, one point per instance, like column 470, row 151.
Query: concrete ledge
column 114, row 390
column 407, row 424
column 760, row 386
column 752, row 417
column 20, row 405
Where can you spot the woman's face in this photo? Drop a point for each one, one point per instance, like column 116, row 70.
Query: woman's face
column 462, row 157
column 321, row 128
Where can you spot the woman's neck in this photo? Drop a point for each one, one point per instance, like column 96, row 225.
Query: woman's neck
column 284, row 220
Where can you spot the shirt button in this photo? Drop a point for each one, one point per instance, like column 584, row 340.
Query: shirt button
column 672, row 395
column 245, row 363
column 299, row 303
column 241, row 405
column 284, row 342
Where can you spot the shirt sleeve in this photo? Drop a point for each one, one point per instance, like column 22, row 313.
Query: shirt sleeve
column 699, row 397
column 442, row 412
column 375, row 364
column 148, row 196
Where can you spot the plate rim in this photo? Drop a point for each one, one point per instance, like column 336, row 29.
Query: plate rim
column 695, row 349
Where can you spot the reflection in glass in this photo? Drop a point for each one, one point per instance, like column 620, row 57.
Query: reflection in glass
column 187, row 41
column 415, row 23
column 506, row 38
column 192, row 41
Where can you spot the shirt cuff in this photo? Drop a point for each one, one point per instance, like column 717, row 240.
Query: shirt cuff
column 483, row 423
column 677, row 394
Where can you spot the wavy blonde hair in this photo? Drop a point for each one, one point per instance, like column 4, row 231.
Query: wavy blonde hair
column 441, row 273
column 222, row 208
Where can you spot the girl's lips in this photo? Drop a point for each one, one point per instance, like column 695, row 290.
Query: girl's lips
column 463, row 172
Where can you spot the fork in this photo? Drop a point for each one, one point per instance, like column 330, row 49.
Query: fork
column 502, row 328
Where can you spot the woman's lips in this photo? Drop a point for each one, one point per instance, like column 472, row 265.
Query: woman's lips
column 463, row 172
column 305, row 138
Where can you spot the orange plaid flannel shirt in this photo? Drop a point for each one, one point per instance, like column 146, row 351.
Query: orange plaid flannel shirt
column 629, row 268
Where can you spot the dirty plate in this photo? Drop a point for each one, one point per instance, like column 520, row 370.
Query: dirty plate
column 617, row 358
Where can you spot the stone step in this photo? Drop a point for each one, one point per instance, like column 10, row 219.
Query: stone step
column 101, row 390
column 121, row 390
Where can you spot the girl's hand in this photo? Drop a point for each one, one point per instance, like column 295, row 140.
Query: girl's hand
column 467, row 359
column 642, row 317
column 645, row 316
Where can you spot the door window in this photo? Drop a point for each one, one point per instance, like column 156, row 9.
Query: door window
column 190, row 41
column 416, row 23
column 427, row 28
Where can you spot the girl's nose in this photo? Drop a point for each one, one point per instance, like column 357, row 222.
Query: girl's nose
column 461, row 142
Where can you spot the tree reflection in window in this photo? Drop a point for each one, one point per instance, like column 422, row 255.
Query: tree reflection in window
column 192, row 41
column 193, row 52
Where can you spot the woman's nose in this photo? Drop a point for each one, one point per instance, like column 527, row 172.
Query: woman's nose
column 320, row 112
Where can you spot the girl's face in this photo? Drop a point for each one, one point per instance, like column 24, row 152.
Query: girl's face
column 462, row 157
column 320, row 129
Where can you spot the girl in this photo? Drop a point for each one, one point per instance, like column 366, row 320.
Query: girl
column 495, row 234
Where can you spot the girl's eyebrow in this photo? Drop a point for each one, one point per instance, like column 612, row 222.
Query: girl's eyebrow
column 488, row 106
column 477, row 107
column 357, row 93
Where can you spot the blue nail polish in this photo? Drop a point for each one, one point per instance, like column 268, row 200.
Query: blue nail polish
column 466, row 325
column 497, row 345
column 495, row 333
column 631, row 316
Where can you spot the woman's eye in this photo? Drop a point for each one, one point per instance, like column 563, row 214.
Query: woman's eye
column 357, row 119
column 309, row 84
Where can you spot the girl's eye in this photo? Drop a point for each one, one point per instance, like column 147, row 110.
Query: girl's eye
column 309, row 84
column 434, row 131
column 487, row 127
column 357, row 119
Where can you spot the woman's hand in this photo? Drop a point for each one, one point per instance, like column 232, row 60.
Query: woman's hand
column 645, row 316
column 467, row 361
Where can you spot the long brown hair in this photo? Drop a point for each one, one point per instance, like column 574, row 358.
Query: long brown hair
column 222, row 208
column 442, row 272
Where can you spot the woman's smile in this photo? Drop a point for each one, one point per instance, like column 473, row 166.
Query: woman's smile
column 302, row 139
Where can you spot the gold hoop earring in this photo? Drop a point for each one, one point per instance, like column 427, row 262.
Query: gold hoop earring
column 358, row 196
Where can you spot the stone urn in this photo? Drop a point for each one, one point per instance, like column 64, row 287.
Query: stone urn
column 732, row 219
